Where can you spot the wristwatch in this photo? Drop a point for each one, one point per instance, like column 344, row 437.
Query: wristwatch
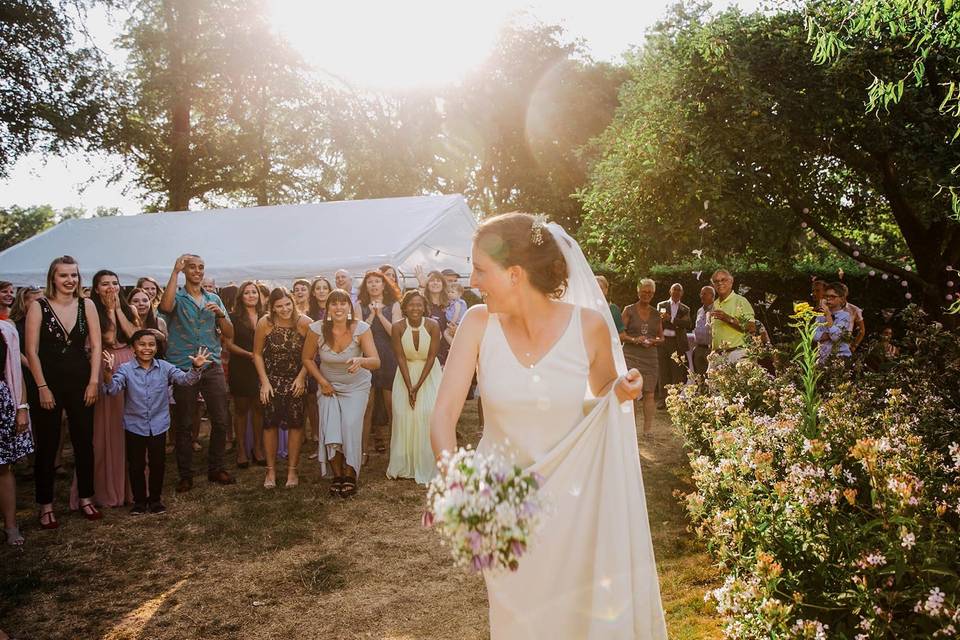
column 23, row 406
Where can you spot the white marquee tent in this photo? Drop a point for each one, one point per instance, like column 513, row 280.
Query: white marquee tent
column 277, row 243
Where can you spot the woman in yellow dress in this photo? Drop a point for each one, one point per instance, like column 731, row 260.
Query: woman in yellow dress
column 416, row 341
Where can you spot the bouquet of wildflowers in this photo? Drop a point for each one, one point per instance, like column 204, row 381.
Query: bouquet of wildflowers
column 485, row 508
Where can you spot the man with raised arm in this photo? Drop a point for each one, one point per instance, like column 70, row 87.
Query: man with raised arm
column 196, row 318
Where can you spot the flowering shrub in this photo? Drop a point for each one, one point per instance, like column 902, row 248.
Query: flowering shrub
column 841, row 524
column 484, row 508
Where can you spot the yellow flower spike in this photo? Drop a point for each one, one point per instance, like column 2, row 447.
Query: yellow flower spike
column 802, row 310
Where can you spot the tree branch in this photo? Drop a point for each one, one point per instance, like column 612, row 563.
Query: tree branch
column 913, row 230
column 822, row 231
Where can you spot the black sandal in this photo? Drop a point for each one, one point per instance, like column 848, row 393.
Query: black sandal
column 348, row 487
column 336, row 486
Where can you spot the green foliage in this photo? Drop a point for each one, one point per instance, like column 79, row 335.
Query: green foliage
column 730, row 141
column 216, row 109
column 19, row 223
column 928, row 32
column 54, row 89
column 850, row 531
column 805, row 357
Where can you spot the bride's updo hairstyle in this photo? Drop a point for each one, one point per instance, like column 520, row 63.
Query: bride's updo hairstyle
column 513, row 239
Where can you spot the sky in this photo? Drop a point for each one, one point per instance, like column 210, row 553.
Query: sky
column 373, row 43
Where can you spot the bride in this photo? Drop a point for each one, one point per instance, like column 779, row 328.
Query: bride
column 556, row 395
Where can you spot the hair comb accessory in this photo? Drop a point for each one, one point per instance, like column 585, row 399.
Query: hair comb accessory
column 536, row 230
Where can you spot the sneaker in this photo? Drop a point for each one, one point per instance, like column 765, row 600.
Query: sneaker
column 138, row 509
column 157, row 507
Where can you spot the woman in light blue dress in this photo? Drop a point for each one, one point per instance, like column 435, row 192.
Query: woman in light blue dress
column 347, row 355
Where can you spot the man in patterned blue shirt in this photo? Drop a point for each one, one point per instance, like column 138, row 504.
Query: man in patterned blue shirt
column 197, row 318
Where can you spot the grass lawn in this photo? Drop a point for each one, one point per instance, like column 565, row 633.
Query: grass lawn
column 243, row 562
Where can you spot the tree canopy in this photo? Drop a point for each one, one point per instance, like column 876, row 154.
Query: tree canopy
column 54, row 85
column 732, row 142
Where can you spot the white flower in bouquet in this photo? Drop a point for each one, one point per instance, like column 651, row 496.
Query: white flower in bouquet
column 485, row 508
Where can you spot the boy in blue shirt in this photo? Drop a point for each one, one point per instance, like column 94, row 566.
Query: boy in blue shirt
column 146, row 414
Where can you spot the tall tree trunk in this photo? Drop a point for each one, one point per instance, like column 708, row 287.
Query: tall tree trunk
column 182, row 24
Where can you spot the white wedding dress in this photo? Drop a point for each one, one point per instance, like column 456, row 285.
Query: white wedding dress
column 590, row 571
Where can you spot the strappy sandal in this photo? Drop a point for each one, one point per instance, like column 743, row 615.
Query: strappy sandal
column 267, row 482
column 336, row 486
column 14, row 537
column 349, row 487
column 90, row 512
column 296, row 481
column 48, row 520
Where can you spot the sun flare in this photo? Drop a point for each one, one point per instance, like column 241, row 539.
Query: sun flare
column 389, row 45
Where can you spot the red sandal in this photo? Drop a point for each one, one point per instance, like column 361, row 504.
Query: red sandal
column 48, row 520
column 90, row 512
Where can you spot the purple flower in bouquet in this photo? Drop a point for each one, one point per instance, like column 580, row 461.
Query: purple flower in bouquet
column 475, row 540
column 485, row 509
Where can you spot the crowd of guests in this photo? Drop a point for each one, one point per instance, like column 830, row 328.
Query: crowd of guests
column 277, row 368
column 127, row 372
column 667, row 342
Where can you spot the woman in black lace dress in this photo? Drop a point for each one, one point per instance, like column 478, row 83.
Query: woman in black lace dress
column 277, row 354
column 60, row 327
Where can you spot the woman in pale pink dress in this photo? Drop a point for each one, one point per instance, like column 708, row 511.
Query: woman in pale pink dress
column 118, row 321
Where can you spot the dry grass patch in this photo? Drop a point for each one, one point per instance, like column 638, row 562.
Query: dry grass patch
column 243, row 562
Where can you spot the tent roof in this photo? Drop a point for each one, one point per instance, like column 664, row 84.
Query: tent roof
column 270, row 243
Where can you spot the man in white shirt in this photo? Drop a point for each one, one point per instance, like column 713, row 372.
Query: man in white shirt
column 675, row 317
